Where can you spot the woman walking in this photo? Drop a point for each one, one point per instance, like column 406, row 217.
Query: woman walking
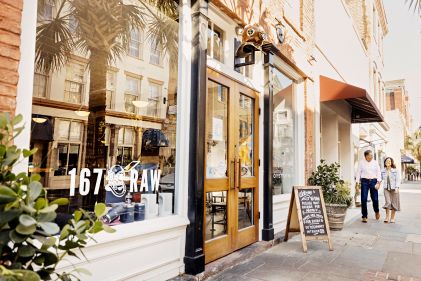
column 391, row 181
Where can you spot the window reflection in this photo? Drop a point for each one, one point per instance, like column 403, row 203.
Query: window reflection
column 103, row 86
column 283, row 134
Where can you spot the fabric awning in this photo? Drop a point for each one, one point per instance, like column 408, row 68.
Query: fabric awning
column 405, row 159
column 364, row 110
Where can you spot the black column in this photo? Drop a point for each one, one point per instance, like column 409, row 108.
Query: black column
column 195, row 259
column 267, row 231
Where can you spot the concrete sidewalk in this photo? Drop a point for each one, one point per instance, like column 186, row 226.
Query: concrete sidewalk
column 373, row 251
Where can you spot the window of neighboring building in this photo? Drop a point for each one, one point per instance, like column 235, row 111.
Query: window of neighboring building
column 74, row 84
column 125, row 146
column 156, row 52
column 215, row 42
column 284, row 160
column 132, row 93
column 68, row 147
column 111, row 80
column 46, row 14
column 40, row 85
column 136, row 43
column 392, row 100
column 375, row 25
column 155, row 92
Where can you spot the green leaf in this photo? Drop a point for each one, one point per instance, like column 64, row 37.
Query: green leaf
column 16, row 237
column 50, row 259
column 97, row 227
column 28, row 209
column 100, row 210
column 49, row 242
column 9, row 215
column 35, row 189
column 17, row 119
column 45, row 217
column 108, row 228
column 77, row 215
column 50, row 208
column 83, row 271
column 35, row 177
column 24, row 275
column 60, row 201
column 49, row 227
column 26, row 230
column 2, row 150
column 40, row 203
column 7, row 194
column 26, row 251
column 27, row 220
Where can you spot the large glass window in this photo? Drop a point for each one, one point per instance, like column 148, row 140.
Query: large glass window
column 90, row 68
column 284, row 173
column 132, row 93
column 73, row 86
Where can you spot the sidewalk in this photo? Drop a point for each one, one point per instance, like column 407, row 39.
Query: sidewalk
column 373, row 251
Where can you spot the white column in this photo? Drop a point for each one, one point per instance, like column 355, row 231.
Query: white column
column 26, row 76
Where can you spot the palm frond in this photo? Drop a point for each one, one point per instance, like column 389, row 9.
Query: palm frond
column 167, row 7
column 415, row 5
column 54, row 43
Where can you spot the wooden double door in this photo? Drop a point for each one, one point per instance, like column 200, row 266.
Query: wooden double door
column 231, row 167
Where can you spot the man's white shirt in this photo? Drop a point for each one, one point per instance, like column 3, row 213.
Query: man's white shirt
column 368, row 170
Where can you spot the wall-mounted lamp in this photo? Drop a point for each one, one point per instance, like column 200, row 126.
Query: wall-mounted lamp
column 82, row 113
column 39, row 120
column 140, row 103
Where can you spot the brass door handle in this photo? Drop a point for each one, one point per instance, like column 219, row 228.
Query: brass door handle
column 232, row 175
column 237, row 173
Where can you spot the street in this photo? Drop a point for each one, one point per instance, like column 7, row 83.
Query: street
column 372, row 251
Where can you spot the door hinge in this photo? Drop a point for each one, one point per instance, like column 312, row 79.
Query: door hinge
column 259, row 162
column 259, row 110
column 259, row 215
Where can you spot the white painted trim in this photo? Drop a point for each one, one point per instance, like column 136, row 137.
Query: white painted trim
column 26, row 76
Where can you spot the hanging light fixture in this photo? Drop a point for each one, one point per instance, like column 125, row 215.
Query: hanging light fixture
column 39, row 120
column 82, row 113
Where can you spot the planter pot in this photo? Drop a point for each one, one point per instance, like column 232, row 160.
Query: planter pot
column 336, row 215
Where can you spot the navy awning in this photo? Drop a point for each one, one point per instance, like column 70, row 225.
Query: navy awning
column 407, row 160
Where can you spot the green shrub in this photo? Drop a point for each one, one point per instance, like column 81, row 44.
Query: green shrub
column 335, row 190
column 31, row 243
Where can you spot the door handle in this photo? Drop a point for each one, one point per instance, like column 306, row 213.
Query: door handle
column 232, row 174
column 237, row 173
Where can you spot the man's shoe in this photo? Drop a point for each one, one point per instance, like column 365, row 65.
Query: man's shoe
column 364, row 220
column 377, row 216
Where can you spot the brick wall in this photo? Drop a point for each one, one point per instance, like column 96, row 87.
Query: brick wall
column 10, row 29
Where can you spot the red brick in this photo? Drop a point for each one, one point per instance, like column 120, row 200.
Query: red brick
column 8, row 104
column 14, row 3
column 12, row 52
column 7, row 90
column 9, row 25
column 8, row 76
column 10, row 64
column 9, row 38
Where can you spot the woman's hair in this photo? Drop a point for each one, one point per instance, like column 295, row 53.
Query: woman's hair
column 391, row 160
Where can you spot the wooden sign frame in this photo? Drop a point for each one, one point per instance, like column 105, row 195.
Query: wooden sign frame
column 295, row 219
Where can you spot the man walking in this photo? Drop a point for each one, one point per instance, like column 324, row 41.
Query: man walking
column 369, row 175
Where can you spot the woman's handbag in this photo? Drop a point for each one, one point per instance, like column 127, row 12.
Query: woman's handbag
column 357, row 197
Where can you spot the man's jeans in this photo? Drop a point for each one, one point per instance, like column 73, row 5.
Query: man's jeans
column 369, row 185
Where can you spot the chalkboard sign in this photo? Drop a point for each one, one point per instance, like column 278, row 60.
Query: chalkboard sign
column 307, row 215
column 312, row 212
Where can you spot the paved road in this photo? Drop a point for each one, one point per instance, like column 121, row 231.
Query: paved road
column 373, row 251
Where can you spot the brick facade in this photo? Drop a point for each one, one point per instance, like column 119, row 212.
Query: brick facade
column 397, row 99
column 10, row 29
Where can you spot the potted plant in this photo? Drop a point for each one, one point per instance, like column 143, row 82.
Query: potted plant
column 32, row 244
column 336, row 192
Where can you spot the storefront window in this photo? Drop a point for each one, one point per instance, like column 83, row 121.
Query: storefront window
column 284, row 159
column 215, row 42
column 102, row 110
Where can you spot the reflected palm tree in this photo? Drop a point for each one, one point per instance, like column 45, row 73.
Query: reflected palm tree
column 100, row 30
column 415, row 5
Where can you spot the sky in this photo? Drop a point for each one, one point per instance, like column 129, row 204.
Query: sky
column 402, row 52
